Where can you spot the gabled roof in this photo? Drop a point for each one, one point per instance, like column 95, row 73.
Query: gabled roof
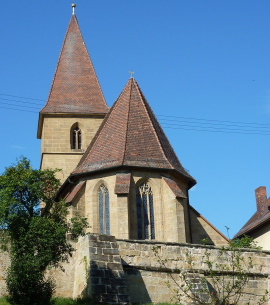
column 261, row 216
column 130, row 135
column 75, row 87
column 256, row 221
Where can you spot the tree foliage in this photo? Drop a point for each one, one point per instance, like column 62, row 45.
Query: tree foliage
column 36, row 237
column 244, row 242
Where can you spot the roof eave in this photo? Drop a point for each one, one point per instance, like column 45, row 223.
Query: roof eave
column 75, row 176
column 40, row 125
column 260, row 223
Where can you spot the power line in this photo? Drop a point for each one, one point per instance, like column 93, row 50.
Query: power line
column 17, row 101
column 244, row 128
column 27, row 98
column 212, row 120
column 20, row 105
column 228, row 123
column 18, row 109
column 218, row 130
column 168, row 121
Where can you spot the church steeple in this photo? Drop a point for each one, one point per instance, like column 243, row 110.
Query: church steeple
column 75, row 106
column 75, row 87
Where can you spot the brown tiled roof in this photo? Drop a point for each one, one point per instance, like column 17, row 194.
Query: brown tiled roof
column 70, row 196
column 262, row 214
column 130, row 135
column 75, row 87
column 122, row 184
column 174, row 187
column 257, row 220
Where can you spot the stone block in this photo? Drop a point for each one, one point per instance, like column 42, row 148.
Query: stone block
column 110, row 251
column 114, row 266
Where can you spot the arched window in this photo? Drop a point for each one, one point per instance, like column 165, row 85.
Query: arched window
column 76, row 137
column 145, row 212
column 104, row 210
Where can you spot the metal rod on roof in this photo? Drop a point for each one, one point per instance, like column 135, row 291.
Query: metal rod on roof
column 73, row 8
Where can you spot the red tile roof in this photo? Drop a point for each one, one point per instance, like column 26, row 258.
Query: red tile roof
column 130, row 135
column 174, row 187
column 262, row 214
column 75, row 87
column 256, row 221
column 122, row 184
column 70, row 196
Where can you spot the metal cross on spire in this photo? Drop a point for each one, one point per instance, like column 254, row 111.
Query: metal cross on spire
column 131, row 74
column 73, row 8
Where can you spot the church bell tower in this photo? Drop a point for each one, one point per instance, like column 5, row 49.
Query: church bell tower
column 75, row 107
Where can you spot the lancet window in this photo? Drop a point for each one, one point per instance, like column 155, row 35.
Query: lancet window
column 145, row 212
column 76, row 137
column 104, row 210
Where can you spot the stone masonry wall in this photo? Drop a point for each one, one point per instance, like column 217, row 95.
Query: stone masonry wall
column 107, row 277
column 4, row 264
column 146, row 278
column 127, row 271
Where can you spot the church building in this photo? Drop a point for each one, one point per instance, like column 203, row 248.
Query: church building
column 119, row 170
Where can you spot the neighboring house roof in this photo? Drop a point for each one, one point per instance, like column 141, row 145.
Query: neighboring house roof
column 261, row 216
column 256, row 221
column 75, row 87
column 130, row 135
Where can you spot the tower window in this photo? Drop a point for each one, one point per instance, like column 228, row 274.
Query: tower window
column 76, row 137
column 145, row 212
column 104, row 210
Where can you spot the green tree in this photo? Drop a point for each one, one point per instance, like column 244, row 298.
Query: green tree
column 244, row 242
column 35, row 237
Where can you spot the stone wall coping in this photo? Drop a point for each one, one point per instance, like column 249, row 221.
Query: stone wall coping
column 198, row 271
column 153, row 242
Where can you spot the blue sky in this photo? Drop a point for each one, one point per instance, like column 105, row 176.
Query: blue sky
column 203, row 64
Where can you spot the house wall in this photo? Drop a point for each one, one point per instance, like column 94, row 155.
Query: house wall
column 262, row 236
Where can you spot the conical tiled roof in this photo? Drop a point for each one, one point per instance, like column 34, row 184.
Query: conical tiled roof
column 75, row 87
column 130, row 135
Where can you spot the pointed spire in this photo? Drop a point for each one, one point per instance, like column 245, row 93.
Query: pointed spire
column 130, row 135
column 75, row 87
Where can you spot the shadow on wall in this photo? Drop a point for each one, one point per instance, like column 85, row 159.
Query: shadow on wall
column 198, row 233
column 136, row 286
column 106, row 285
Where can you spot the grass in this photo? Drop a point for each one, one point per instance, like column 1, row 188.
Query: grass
column 61, row 301
column 58, row 301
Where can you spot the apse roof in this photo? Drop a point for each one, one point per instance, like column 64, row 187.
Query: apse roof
column 130, row 135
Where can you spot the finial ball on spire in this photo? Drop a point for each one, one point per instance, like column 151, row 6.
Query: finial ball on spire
column 73, row 8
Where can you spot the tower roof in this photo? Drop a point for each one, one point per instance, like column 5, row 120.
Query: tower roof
column 75, row 87
column 130, row 135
